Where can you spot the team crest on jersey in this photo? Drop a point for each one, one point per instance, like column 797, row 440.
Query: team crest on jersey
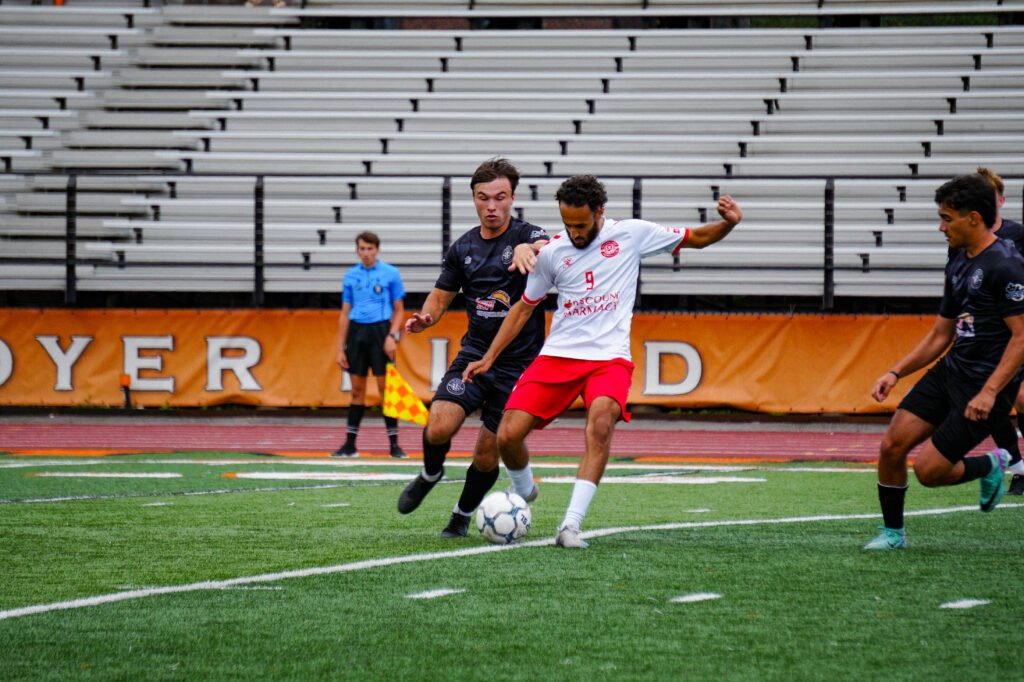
column 506, row 255
column 468, row 260
column 965, row 325
column 1015, row 292
column 610, row 248
column 977, row 277
column 567, row 262
column 455, row 386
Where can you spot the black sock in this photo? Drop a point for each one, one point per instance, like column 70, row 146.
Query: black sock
column 391, row 425
column 433, row 455
column 891, row 498
column 355, row 418
column 477, row 484
column 975, row 468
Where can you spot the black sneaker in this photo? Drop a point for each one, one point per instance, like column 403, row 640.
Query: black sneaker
column 347, row 451
column 458, row 526
column 414, row 493
column 1016, row 485
column 397, row 452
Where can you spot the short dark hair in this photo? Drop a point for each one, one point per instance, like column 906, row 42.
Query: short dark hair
column 993, row 178
column 495, row 168
column 369, row 238
column 968, row 193
column 582, row 190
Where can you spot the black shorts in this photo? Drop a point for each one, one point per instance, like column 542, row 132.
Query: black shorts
column 487, row 392
column 364, row 346
column 941, row 397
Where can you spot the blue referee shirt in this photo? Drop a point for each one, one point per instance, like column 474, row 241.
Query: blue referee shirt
column 372, row 292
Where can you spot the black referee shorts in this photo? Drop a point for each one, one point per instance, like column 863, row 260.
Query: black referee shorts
column 364, row 346
column 941, row 397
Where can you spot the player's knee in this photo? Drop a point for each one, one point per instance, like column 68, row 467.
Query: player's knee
column 927, row 475
column 485, row 460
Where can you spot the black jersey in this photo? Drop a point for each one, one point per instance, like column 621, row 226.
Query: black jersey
column 479, row 267
column 1014, row 231
column 979, row 293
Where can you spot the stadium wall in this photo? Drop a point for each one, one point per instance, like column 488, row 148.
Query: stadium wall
column 801, row 364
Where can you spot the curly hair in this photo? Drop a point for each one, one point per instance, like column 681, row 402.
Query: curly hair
column 582, row 190
column 495, row 168
column 968, row 193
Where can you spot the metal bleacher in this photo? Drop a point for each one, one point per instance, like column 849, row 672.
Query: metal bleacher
column 166, row 113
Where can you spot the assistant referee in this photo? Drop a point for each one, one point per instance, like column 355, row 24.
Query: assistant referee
column 368, row 333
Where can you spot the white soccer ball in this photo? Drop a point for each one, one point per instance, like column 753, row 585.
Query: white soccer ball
column 503, row 518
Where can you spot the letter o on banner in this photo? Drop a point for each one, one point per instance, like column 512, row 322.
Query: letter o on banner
column 6, row 363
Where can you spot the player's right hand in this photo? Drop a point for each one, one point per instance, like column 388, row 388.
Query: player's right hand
column 883, row 386
column 474, row 368
column 418, row 322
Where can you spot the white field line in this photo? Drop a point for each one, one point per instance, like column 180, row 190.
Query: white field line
column 434, row 594
column 106, row 474
column 965, row 603
column 279, row 461
column 699, row 596
column 368, row 564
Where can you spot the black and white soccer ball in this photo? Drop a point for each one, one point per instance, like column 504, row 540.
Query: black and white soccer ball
column 503, row 518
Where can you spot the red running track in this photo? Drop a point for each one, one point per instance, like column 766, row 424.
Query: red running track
column 125, row 436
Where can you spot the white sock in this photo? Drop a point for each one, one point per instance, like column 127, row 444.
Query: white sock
column 458, row 510
column 1017, row 468
column 582, row 493
column 433, row 478
column 522, row 480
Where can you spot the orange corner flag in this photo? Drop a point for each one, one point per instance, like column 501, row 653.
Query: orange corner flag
column 400, row 401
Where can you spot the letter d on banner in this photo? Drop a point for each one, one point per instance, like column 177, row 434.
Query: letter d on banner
column 653, row 350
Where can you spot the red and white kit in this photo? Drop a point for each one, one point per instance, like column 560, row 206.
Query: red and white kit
column 597, row 286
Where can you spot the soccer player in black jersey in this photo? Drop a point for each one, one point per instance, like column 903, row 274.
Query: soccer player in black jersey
column 488, row 265
column 1006, row 435
column 957, row 402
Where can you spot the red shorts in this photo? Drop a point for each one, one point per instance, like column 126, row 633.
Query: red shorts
column 550, row 384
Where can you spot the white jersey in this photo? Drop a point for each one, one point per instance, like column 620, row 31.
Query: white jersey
column 596, row 286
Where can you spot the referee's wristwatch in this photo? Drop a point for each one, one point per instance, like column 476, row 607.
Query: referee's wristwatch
column 397, row 336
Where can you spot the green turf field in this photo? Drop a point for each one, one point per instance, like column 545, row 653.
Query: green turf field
column 195, row 575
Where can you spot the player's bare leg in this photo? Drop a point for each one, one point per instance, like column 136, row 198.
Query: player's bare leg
column 480, row 477
column 602, row 416
column 515, row 426
column 905, row 432
column 443, row 422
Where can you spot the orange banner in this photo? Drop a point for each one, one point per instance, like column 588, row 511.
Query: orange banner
column 281, row 358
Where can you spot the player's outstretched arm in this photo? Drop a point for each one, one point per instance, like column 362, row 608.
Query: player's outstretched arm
column 706, row 235
column 980, row 405
column 509, row 330
column 432, row 311
column 930, row 347
column 524, row 257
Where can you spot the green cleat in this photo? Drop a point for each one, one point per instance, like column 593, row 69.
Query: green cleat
column 993, row 485
column 889, row 538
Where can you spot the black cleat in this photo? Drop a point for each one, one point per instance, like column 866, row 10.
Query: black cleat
column 1016, row 485
column 458, row 526
column 415, row 491
column 347, row 451
column 397, row 452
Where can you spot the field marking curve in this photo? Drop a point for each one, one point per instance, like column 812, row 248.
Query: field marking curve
column 367, row 564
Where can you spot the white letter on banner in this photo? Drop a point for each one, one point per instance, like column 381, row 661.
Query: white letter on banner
column 217, row 362
column 133, row 362
column 6, row 363
column 652, row 376
column 64, row 361
column 438, row 361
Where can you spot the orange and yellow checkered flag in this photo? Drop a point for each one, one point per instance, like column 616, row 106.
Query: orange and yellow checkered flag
column 400, row 401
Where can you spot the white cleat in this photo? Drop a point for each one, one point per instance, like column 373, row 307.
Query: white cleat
column 569, row 538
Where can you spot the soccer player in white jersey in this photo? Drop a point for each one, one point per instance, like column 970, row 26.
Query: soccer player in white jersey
column 594, row 267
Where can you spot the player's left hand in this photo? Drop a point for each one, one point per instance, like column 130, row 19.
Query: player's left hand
column 390, row 347
column 729, row 210
column 523, row 259
column 980, row 407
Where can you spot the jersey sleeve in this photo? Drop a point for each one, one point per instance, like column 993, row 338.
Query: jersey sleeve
column 540, row 281
column 347, row 295
column 396, row 286
column 451, row 277
column 653, row 238
column 532, row 233
column 1009, row 287
column 949, row 307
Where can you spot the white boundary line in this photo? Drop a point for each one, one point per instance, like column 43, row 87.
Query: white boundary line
column 367, row 564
